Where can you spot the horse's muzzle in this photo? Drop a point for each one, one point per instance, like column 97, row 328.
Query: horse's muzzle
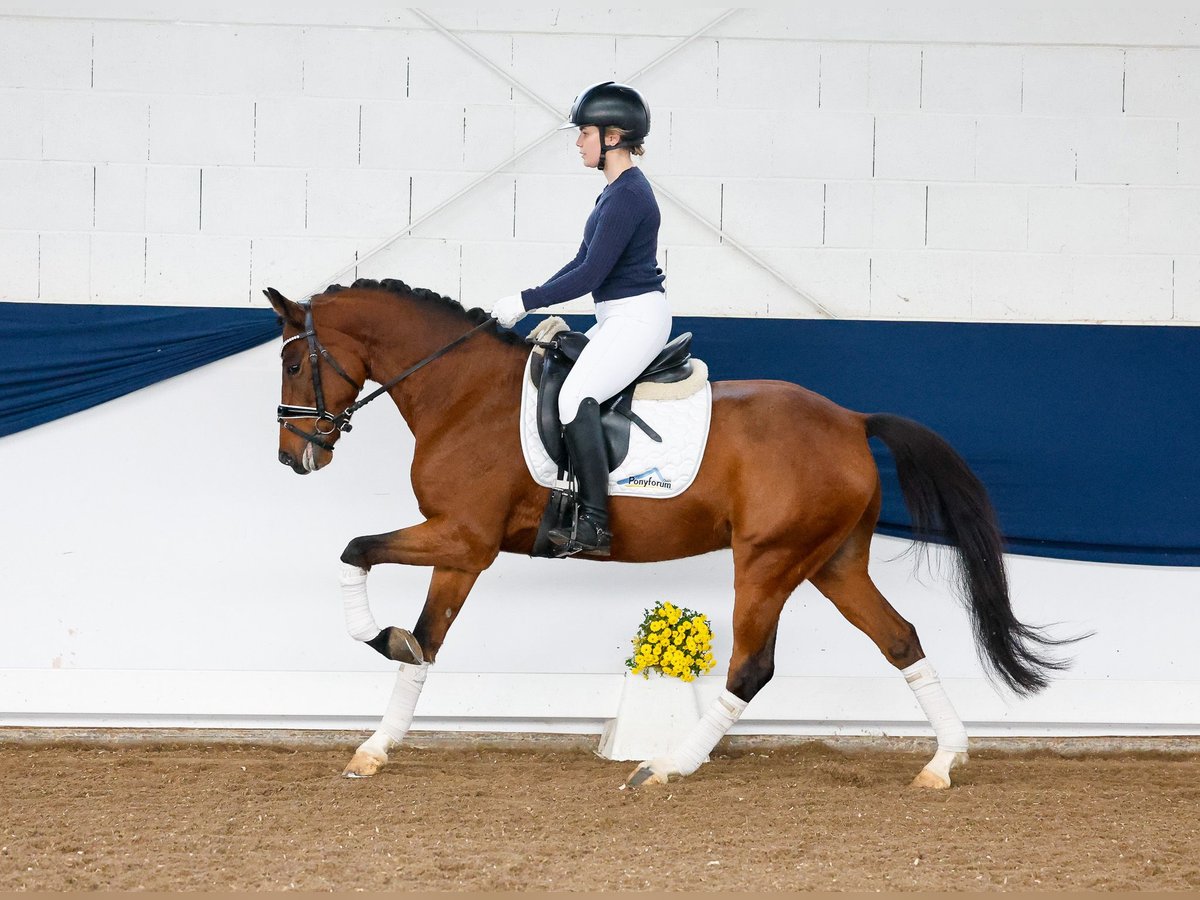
column 296, row 465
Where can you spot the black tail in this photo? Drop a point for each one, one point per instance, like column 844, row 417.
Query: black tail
column 948, row 504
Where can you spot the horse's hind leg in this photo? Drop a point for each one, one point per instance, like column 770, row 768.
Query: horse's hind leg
column 844, row 580
column 764, row 578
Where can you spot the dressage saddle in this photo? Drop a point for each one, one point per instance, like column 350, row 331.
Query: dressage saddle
column 616, row 414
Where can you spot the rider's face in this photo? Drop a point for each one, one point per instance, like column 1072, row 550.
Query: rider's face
column 588, row 143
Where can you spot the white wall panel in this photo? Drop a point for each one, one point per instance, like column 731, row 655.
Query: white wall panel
column 555, row 207
column 441, row 72
column 1164, row 220
column 412, row 136
column 840, row 280
column 356, row 63
column 307, row 123
column 118, row 266
column 197, row 270
column 45, row 54
column 1162, row 82
column 295, row 266
column 704, row 281
column 1118, row 287
column 730, row 143
column 172, row 199
column 821, row 145
column 845, row 76
column 432, row 263
column 679, row 227
column 978, row 217
column 1073, row 81
column 19, row 250
column 64, row 267
column 774, row 212
column 148, row 199
column 22, row 113
column 210, row 130
column 984, row 80
column 494, row 269
column 1128, row 151
column 935, row 148
column 46, row 196
column 489, row 136
column 196, row 59
column 1084, row 219
column 894, row 77
column 306, row 131
column 776, row 75
column 689, row 79
column 921, row 285
column 1026, row 149
column 558, row 68
column 1186, row 305
column 253, row 201
column 889, row 215
column 86, row 126
column 1019, row 287
column 489, row 214
column 357, row 202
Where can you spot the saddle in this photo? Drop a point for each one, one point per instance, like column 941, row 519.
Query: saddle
column 673, row 364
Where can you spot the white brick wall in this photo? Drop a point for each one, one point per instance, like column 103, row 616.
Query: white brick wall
column 912, row 160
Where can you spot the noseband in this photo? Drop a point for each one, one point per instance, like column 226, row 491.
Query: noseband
column 325, row 423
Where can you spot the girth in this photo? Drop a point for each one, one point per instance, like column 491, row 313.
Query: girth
column 616, row 414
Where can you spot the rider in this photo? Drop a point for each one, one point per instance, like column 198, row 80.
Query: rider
column 617, row 263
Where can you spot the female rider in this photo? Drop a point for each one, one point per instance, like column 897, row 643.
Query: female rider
column 617, row 263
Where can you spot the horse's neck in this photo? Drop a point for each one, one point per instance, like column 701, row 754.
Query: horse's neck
column 466, row 381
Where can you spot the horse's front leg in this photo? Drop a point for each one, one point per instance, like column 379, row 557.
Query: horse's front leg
column 447, row 591
column 457, row 559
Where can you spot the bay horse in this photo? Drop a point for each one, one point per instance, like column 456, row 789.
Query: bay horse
column 795, row 501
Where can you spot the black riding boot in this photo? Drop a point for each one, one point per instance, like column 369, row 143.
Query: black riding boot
column 589, row 462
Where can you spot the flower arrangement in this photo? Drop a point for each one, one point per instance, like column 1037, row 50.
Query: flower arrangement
column 673, row 641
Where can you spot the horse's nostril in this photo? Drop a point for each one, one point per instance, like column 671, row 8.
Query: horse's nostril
column 286, row 458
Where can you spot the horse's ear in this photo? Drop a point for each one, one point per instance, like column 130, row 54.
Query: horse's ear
column 289, row 311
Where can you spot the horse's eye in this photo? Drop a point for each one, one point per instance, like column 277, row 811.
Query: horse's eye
column 294, row 369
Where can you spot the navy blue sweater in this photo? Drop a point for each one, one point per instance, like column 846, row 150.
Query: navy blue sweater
column 618, row 256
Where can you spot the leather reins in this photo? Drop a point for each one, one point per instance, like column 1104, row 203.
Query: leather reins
column 319, row 413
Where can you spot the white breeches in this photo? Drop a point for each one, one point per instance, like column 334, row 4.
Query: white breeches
column 628, row 334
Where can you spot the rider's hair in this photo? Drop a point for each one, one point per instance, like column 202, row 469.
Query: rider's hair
column 637, row 149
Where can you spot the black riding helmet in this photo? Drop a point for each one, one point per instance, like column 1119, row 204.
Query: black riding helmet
column 609, row 103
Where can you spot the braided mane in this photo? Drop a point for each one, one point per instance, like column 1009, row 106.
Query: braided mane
column 434, row 300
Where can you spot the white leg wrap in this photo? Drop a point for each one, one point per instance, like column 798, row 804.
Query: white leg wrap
column 720, row 717
column 359, row 621
column 396, row 721
column 951, row 735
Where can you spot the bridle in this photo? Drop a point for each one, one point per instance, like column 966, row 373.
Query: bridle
column 325, row 423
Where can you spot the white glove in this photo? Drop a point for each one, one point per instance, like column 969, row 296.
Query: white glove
column 508, row 311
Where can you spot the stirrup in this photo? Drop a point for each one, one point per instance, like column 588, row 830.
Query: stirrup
column 569, row 542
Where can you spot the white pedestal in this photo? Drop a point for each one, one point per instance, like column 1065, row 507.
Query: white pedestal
column 654, row 715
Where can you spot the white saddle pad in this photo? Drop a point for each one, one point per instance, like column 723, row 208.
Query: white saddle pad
column 650, row 469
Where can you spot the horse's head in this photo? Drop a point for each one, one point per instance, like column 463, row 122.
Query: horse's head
column 322, row 376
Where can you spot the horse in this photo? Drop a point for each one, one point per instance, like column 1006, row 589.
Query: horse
column 795, row 501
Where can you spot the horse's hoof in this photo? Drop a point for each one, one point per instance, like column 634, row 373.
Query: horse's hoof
column 645, row 774
column 364, row 765
column 931, row 780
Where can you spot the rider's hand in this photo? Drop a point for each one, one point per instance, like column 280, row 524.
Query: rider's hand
column 508, row 311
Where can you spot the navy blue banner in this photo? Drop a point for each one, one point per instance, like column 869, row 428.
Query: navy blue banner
column 58, row 358
column 1082, row 434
